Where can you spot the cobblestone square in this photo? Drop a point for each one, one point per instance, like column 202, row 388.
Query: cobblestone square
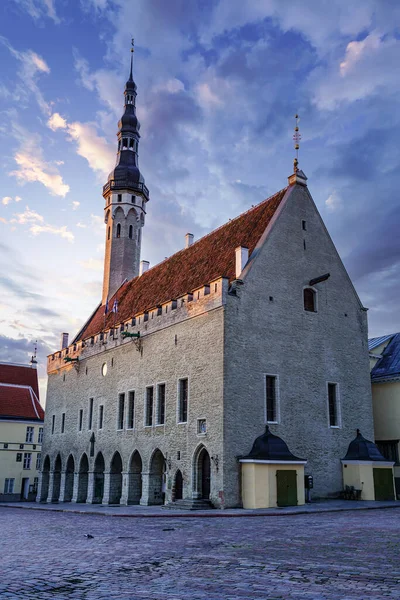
column 344, row 555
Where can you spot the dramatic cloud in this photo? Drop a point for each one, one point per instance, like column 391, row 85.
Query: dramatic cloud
column 38, row 9
column 92, row 147
column 60, row 231
column 37, row 224
column 56, row 121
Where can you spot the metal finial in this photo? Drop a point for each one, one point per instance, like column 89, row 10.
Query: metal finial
column 132, row 51
column 296, row 139
column 33, row 359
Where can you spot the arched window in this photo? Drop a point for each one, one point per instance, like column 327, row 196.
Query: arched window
column 130, row 232
column 124, row 143
column 109, row 233
column 131, row 143
column 119, row 230
column 309, row 300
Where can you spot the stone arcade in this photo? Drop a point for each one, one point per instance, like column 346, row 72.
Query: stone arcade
column 255, row 323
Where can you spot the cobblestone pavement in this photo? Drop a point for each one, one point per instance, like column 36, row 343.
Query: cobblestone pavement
column 346, row 556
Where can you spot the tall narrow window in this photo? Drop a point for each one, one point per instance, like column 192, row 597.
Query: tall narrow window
column 27, row 460
column 161, row 404
column 121, row 409
column 131, row 410
column 53, row 423
column 333, row 405
column 149, row 406
column 119, row 198
column 90, row 415
column 309, row 300
column 9, row 486
column 80, row 421
column 119, row 230
column 183, row 400
column 101, row 416
column 38, row 461
column 270, row 398
column 29, row 435
column 40, row 435
column 130, row 232
column 63, row 423
column 109, row 233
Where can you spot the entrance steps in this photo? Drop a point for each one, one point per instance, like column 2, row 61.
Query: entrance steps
column 190, row 504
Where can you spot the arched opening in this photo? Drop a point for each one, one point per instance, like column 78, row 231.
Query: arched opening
column 45, row 479
column 98, row 479
column 177, row 492
column 157, row 478
column 118, row 230
column 130, row 232
column 116, row 479
column 83, row 477
column 202, row 474
column 69, row 479
column 56, row 479
column 309, row 299
column 135, row 479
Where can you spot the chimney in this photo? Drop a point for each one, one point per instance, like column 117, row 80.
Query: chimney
column 144, row 266
column 64, row 340
column 242, row 256
column 189, row 239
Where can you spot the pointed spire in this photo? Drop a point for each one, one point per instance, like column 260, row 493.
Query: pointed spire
column 132, row 51
column 296, row 139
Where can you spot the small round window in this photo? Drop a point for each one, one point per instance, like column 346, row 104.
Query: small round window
column 104, row 369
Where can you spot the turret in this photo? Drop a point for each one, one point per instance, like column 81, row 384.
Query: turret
column 126, row 196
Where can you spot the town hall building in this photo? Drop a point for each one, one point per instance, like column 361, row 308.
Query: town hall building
column 162, row 393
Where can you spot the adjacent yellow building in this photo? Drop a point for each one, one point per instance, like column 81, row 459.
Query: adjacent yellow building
column 385, row 378
column 21, row 432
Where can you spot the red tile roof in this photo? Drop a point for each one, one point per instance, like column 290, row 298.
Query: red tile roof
column 209, row 258
column 19, row 402
column 19, row 375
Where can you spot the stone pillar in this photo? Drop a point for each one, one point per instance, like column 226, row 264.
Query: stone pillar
column 90, row 491
column 39, row 489
column 144, row 500
column 106, row 493
column 125, row 488
column 76, row 487
column 51, row 486
column 62, row 487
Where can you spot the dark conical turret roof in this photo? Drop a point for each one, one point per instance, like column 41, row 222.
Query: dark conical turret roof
column 271, row 447
column 362, row 449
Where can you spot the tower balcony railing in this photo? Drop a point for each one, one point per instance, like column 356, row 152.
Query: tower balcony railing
column 116, row 184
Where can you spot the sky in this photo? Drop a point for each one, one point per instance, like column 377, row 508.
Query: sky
column 219, row 83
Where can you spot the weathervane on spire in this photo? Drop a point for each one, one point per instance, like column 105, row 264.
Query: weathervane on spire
column 33, row 359
column 296, row 139
column 132, row 51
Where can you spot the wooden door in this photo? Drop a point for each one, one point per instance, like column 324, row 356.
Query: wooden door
column 286, row 484
column 383, row 484
column 205, row 476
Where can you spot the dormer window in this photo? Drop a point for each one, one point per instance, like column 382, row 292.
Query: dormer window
column 309, row 297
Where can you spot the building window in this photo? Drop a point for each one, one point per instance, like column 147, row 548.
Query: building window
column 304, row 225
column 118, row 230
column 390, row 450
column 53, row 423
column 333, row 405
column 161, row 404
column 119, row 198
column 80, row 421
column 27, row 460
column 40, row 435
column 131, row 410
column 90, row 416
column 35, row 484
column 9, row 486
column 149, row 407
column 201, row 426
column 271, row 404
column 38, row 461
column 309, row 300
column 5, row 446
column 121, row 408
column 183, row 401
column 19, row 456
column 130, row 232
column 133, row 198
column 63, row 423
column 101, row 416
column 29, row 435
column 109, row 233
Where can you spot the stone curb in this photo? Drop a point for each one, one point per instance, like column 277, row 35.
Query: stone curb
column 212, row 514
